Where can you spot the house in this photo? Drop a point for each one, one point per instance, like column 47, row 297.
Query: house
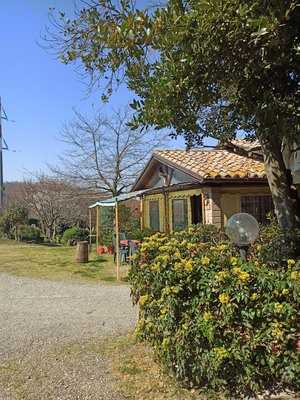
column 291, row 156
column 203, row 186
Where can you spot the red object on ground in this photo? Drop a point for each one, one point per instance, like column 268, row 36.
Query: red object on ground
column 110, row 250
column 101, row 249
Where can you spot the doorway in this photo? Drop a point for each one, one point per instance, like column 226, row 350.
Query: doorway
column 196, row 209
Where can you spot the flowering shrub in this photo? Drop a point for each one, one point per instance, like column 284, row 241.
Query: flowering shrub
column 217, row 321
column 275, row 245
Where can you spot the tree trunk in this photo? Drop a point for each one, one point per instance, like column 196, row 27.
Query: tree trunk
column 285, row 198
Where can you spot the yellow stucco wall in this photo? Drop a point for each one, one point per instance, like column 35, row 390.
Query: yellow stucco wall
column 160, row 197
column 219, row 204
column 230, row 199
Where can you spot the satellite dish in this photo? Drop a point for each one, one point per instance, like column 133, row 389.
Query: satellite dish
column 242, row 229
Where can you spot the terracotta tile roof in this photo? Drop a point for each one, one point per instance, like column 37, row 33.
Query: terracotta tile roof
column 213, row 164
column 246, row 145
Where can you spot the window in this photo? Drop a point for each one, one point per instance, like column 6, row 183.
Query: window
column 179, row 214
column 154, row 215
column 258, row 206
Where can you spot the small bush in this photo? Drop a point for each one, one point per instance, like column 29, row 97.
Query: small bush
column 215, row 320
column 27, row 233
column 73, row 235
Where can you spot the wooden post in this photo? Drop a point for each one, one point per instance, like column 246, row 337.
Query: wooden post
column 97, row 227
column 142, row 213
column 166, row 211
column 117, row 240
column 90, row 228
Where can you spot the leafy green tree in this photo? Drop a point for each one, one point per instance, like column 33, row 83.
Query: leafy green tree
column 129, row 222
column 13, row 218
column 202, row 68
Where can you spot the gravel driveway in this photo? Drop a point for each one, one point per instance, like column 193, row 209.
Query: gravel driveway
column 38, row 318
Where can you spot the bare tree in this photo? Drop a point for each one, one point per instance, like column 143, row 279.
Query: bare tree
column 104, row 153
column 52, row 202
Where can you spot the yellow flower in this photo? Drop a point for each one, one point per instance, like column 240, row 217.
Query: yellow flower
column 222, row 275
column 188, row 265
column 285, row 292
column 291, row 262
column 222, row 247
column 242, row 275
column 207, row 316
column 254, row 296
column 164, row 311
column 143, row 300
column 258, row 247
column 205, row 260
column 278, row 307
column 233, row 260
column 277, row 331
column 224, row 298
column 221, row 352
column 295, row 275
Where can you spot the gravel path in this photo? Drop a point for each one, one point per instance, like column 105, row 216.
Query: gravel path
column 39, row 319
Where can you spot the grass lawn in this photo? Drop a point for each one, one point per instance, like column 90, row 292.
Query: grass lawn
column 55, row 263
column 140, row 377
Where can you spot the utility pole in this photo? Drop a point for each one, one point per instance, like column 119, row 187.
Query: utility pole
column 1, row 161
column 3, row 146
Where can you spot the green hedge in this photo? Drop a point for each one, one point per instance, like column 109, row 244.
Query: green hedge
column 215, row 321
column 72, row 235
column 27, row 233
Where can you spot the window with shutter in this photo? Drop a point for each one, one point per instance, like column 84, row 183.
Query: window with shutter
column 154, row 215
column 179, row 214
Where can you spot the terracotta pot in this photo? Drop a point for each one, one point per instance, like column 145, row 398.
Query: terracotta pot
column 110, row 249
column 100, row 250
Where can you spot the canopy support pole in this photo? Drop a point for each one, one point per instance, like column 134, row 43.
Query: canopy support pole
column 90, row 228
column 142, row 213
column 97, row 227
column 117, row 239
column 166, row 212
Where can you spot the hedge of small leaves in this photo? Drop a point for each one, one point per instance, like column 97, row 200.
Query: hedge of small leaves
column 215, row 321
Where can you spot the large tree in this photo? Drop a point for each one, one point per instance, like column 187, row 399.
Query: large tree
column 103, row 153
column 54, row 203
column 202, row 67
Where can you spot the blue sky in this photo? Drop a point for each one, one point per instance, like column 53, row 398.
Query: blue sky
column 37, row 91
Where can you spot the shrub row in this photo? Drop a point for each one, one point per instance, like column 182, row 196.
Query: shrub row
column 217, row 321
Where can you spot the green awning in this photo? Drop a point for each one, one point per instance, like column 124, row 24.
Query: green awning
column 111, row 202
